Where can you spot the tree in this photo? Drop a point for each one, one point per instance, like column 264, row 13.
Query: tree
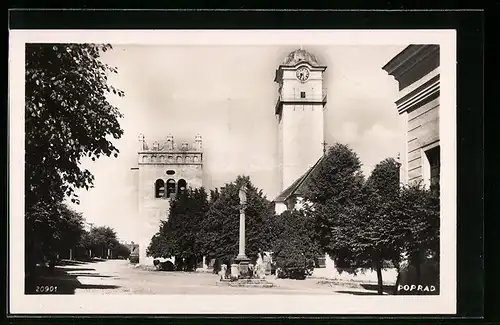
column 84, row 246
column 51, row 230
column 101, row 239
column 67, row 117
column 121, row 251
column 365, row 224
column 380, row 230
column 220, row 227
column 335, row 191
column 293, row 246
column 69, row 229
column 179, row 235
column 418, row 213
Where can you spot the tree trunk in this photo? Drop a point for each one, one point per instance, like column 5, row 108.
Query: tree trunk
column 418, row 268
column 397, row 265
column 380, row 286
column 398, row 279
column 418, row 273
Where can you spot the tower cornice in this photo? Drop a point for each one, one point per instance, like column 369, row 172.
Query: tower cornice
column 279, row 71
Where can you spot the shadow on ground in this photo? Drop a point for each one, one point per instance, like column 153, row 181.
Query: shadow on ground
column 81, row 262
column 62, row 280
column 372, row 289
column 389, row 289
column 358, row 293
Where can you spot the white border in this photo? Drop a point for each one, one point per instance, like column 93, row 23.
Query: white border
column 445, row 303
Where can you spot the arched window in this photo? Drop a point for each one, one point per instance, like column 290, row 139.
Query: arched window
column 159, row 188
column 170, row 187
column 181, row 185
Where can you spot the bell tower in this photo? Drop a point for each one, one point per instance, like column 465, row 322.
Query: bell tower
column 164, row 168
column 299, row 111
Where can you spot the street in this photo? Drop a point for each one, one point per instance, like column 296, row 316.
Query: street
column 120, row 277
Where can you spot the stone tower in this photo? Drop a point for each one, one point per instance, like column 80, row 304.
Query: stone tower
column 299, row 110
column 163, row 169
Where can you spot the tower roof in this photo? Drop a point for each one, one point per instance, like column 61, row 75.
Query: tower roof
column 298, row 187
column 298, row 56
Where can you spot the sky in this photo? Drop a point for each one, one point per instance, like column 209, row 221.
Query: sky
column 227, row 94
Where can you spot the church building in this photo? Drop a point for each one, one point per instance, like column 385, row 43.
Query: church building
column 163, row 169
column 300, row 107
column 299, row 111
column 166, row 167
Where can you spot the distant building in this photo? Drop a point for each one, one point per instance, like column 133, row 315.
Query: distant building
column 416, row 69
column 163, row 169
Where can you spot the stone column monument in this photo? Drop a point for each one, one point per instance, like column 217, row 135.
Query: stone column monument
column 242, row 259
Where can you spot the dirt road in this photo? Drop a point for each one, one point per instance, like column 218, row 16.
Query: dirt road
column 120, row 277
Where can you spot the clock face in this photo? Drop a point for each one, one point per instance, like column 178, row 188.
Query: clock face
column 302, row 74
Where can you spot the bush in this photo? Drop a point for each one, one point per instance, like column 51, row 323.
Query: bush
column 292, row 263
column 164, row 266
column 293, row 245
column 297, row 273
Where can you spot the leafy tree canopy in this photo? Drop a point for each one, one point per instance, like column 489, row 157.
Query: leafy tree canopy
column 293, row 245
column 50, row 229
column 178, row 235
column 67, row 117
column 335, row 190
column 220, row 228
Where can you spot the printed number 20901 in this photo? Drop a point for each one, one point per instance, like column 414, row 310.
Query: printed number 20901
column 46, row 289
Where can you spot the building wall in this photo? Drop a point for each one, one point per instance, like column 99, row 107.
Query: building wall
column 301, row 126
column 302, row 134
column 423, row 132
column 416, row 69
column 153, row 164
column 330, row 272
column 279, row 207
column 280, row 157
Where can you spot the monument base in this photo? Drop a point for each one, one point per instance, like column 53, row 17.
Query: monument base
column 243, row 269
column 247, row 283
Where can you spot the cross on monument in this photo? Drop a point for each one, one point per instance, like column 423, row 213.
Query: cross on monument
column 324, row 144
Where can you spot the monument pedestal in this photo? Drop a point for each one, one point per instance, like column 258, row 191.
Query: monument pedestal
column 243, row 263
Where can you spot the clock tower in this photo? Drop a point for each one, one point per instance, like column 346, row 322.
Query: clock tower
column 299, row 111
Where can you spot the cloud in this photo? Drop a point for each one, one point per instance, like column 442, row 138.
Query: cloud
column 349, row 133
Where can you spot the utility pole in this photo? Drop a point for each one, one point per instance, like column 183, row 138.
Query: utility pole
column 91, row 224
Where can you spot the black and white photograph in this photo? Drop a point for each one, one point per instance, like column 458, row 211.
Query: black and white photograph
column 233, row 172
